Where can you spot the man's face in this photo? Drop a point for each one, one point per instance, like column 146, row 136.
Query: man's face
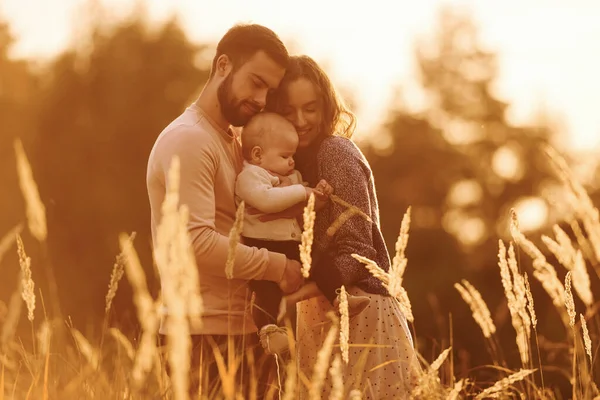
column 243, row 93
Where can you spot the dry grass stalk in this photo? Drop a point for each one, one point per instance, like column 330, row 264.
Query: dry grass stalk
column 542, row 270
column 515, row 292
column 115, row 277
column 349, row 206
column 36, row 212
column 344, row 324
column 234, row 239
column 7, row 240
column 44, row 335
column 307, row 236
column 320, row 369
column 458, row 387
column 480, row 311
column 291, row 381
column 179, row 279
column 562, row 248
column 498, row 390
column 399, row 261
column 27, row 283
column 580, row 200
column 573, row 260
column 586, row 338
column 569, row 303
column 86, row 349
column 582, row 241
column 581, row 280
column 146, row 312
column 437, row 363
column 123, row 341
column 12, row 317
column 337, row 379
column 351, row 210
column 530, row 304
column 429, row 385
column 399, row 293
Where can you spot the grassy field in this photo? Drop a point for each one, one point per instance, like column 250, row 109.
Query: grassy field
column 58, row 362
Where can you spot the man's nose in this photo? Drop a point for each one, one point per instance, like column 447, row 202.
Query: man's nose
column 260, row 98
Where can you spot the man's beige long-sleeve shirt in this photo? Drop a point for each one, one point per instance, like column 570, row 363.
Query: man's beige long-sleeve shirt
column 210, row 160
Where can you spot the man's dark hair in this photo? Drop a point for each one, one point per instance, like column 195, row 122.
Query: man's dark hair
column 242, row 41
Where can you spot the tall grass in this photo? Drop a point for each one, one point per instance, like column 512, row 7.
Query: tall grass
column 63, row 364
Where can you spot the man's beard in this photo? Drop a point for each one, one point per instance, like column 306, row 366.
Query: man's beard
column 231, row 107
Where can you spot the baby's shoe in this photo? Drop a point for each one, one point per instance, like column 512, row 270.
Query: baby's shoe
column 274, row 339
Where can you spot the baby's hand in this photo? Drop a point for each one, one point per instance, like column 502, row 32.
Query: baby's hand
column 284, row 181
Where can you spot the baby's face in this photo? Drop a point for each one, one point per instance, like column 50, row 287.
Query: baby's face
column 278, row 152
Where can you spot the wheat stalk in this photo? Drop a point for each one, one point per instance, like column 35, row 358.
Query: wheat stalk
column 28, row 285
column 398, row 292
column 569, row 303
column 115, row 277
column 307, row 236
column 586, row 338
column 337, row 379
column 36, row 212
column 234, row 239
column 344, row 324
column 323, row 356
column 479, row 309
column 499, row 387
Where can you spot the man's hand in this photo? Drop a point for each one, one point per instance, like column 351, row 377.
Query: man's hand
column 292, row 277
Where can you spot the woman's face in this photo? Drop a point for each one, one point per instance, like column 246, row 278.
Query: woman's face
column 304, row 110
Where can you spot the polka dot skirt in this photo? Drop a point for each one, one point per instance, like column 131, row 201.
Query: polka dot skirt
column 382, row 361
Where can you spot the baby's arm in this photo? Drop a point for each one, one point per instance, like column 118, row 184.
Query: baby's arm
column 258, row 192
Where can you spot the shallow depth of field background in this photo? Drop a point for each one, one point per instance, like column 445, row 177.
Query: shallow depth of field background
column 454, row 106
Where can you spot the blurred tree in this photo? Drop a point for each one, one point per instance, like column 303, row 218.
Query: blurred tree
column 461, row 166
column 18, row 93
column 103, row 107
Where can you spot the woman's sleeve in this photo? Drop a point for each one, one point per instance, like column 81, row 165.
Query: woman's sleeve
column 345, row 169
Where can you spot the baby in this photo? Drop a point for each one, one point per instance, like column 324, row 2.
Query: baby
column 270, row 184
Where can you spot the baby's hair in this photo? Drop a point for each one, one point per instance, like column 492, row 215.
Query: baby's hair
column 259, row 129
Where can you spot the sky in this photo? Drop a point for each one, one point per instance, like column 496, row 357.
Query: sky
column 549, row 50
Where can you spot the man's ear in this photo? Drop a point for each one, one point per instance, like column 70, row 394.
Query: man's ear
column 256, row 154
column 223, row 65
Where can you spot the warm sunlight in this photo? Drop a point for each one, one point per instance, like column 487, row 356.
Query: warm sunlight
column 538, row 67
column 176, row 228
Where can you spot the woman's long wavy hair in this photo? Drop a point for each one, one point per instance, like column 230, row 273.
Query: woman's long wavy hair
column 337, row 119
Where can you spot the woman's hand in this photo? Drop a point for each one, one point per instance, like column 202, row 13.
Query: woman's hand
column 324, row 188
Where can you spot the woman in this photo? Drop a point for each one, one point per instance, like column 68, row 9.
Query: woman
column 307, row 98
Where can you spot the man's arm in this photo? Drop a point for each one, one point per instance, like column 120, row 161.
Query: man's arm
column 256, row 190
column 198, row 166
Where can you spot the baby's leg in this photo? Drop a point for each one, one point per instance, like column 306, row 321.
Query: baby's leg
column 268, row 295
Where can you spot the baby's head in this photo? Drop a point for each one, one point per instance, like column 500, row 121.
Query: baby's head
column 270, row 141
